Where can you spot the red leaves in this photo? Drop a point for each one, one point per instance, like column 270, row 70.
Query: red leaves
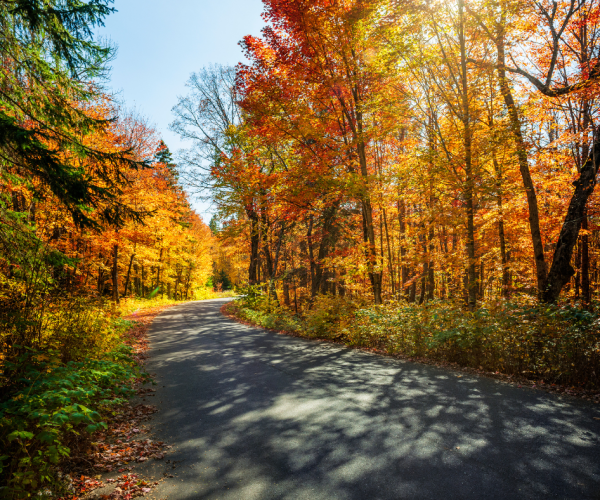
column 112, row 456
column 129, row 486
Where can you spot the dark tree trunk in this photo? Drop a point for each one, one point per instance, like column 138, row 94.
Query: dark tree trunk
column 561, row 270
column 402, row 227
column 371, row 250
column 159, row 272
column 532, row 204
column 187, row 282
column 503, row 253
column 430, row 268
column 311, row 257
column 286, row 291
column 115, row 274
column 128, row 275
column 254, row 246
column 389, row 252
column 585, row 261
column 577, row 270
column 328, row 240
column 100, row 285
column 143, row 287
column 468, row 145
column 268, row 273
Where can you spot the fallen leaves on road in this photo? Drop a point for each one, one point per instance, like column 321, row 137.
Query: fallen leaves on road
column 113, row 456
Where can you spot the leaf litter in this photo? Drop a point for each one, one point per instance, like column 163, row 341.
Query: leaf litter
column 125, row 442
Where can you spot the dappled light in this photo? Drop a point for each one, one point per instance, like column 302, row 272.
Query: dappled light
column 254, row 414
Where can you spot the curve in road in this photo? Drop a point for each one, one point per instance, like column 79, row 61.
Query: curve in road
column 257, row 415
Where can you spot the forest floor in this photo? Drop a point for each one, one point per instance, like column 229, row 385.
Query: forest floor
column 126, row 441
column 252, row 414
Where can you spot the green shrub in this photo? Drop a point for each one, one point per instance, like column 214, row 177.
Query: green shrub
column 559, row 344
column 555, row 343
column 277, row 319
column 57, row 407
column 256, row 307
column 329, row 315
column 253, row 297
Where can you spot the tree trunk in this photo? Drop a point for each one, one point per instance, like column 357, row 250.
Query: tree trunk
column 371, row 251
column 367, row 208
column 412, row 296
column 294, row 282
column 561, row 270
column 254, row 246
column 469, row 185
column 402, row 229
column 159, row 271
column 328, row 240
column 532, row 204
column 286, row 291
column 313, row 288
column 389, row 252
column 115, row 274
column 577, row 270
column 501, row 234
column 430, row 267
column 128, row 275
column 177, row 281
column 143, row 281
column 187, row 282
column 100, row 285
column 585, row 261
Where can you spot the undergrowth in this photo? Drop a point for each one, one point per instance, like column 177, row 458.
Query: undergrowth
column 63, row 373
column 54, row 414
column 58, row 391
column 558, row 343
column 59, row 386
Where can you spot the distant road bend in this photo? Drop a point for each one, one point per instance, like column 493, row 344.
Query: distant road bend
column 256, row 415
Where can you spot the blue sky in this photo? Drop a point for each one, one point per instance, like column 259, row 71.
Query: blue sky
column 160, row 43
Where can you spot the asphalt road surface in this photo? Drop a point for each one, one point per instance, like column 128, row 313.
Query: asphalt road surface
column 256, row 415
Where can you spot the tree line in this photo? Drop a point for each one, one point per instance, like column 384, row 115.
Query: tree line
column 91, row 206
column 407, row 149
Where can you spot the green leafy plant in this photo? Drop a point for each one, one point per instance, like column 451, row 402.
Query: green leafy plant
column 57, row 408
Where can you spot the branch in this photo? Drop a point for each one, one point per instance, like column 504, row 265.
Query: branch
column 546, row 89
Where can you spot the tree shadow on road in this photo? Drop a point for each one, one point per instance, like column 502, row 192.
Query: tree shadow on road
column 253, row 414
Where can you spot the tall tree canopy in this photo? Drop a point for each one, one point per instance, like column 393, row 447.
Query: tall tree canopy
column 409, row 149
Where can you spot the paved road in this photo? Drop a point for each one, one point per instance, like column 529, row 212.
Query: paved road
column 256, row 415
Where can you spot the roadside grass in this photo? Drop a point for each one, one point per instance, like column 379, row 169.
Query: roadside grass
column 547, row 345
column 60, row 388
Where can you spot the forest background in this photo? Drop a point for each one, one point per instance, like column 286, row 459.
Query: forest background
column 414, row 177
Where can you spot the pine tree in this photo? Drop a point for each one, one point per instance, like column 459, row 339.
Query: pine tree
column 165, row 157
column 49, row 63
column 214, row 225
